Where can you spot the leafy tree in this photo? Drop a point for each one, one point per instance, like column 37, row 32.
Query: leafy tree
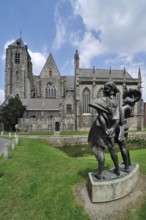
column 10, row 112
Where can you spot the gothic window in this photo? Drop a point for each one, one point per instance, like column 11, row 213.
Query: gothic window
column 69, row 108
column 50, row 91
column 86, row 100
column 17, row 76
column 17, row 57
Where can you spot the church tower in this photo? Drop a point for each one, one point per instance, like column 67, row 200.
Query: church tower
column 18, row 70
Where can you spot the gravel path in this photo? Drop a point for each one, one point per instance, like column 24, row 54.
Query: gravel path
column 114, row 209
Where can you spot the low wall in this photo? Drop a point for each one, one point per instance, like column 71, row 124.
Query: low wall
column 59, row 141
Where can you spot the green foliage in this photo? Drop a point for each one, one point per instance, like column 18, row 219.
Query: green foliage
column 140, row 141
column 10, row 112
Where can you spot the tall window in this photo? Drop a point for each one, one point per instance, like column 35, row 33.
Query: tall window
column 17, row 57
column 50, row 91
column 69, row 108
column 17, row 76
column 86, row 100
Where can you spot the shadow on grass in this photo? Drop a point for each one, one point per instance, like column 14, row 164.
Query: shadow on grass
column 1, row 174
column 84, row 173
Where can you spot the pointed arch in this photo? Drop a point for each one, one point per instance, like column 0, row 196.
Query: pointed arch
column 86, row 100
column 50, row 91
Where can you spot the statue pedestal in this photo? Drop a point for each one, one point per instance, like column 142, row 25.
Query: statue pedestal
column 112, row 187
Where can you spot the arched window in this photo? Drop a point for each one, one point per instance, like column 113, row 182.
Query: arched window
column 17, row 76
column 86, row 100
column 50, row 91
column 17, row 57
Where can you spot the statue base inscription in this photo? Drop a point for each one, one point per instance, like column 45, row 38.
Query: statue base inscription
column 111, row 187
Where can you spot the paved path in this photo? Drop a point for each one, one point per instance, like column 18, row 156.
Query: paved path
column 2, row 144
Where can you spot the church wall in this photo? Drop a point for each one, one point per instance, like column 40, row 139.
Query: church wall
column 85, row 120
column 57, row 83
column 68, row 120
column 68, row 123
column 39, row 121
column 132, row 123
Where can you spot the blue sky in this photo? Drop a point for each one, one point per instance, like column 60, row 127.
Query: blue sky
column 105, row 32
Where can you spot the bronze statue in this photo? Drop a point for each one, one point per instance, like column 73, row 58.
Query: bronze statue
column 130, row 97
column 102, row 132
column 111, row 126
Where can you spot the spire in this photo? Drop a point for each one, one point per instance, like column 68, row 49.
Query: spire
column 93, row 70
column 110, row 73
column 124, row 76
column 20, row 33
column 139, row 74
column 76, row 60
column 139, row 79
column 94, row 75
column 124, row 73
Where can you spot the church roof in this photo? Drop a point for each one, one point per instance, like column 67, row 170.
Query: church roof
column 42, row 104
column 104, row 73
column 69, row 82
column 18, row 43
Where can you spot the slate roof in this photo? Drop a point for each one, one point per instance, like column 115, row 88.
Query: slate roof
column 70, row 82
column 42, row 104
column 18, row 43
column 104, row 73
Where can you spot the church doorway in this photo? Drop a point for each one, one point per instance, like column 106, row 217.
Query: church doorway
column 57, row 126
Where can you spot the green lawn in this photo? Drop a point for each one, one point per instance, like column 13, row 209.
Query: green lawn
column 36, row 183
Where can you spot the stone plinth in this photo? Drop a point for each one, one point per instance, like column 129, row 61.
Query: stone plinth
column 113, row 187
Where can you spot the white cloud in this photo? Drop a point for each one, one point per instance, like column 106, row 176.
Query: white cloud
column 89, row 47
column 121, row 27
column 120, row 23
column 61, row 27
column 2, row 96
column 38, row 61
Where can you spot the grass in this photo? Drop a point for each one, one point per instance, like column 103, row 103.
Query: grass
column 36, row 182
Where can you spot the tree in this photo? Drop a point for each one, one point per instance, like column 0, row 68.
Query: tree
column 10, row 112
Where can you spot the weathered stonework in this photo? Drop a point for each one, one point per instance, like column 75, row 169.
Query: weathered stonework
column 58, row 102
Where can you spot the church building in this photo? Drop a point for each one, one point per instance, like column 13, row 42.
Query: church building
column 57, row 102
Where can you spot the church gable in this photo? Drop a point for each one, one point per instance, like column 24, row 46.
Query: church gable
column 50, row 69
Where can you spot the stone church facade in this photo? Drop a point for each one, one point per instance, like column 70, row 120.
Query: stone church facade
column 56, row 102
